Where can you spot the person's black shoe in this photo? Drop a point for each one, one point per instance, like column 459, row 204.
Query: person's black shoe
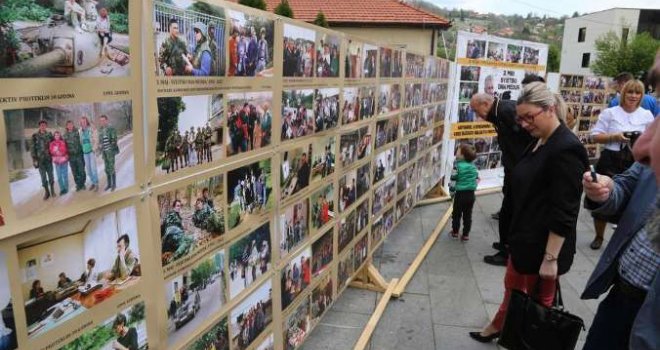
column 498, row 259
column 498, row 246
column 495, row 216
column 484, row 339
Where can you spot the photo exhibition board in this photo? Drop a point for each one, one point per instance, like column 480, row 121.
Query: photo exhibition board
column 208, row 175
column 495, row 66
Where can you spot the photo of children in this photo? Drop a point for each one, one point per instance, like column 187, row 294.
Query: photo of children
column 71, row 269
column 249, row 259
column 321, row 299
column 327, row 56
column 387, row 131
column 293, row 226
column 326, row 108
column 98, row 30
column 189, row 38
column 384, row 195
column 352, row 186
column 216, row 338
column 298, row 51
column 190, row 217
column 295, row 170
column 296, row 326
column 347, row 230
column 360, row 252
column 250, row 45
column 93, row 140
column 323, row 206
column 195, row 296
column 384, row 164
column 249, row 192
column 414, row 65
column 189, row 132
column 296, row 276
column 323, row 157
column 252, row 316
column 7, row 323
column 126, row 330
column 353, row 61
column 322, row 253
column 369, row 61
column 385, row 62
column 249, row 121
column 513, row 53
column 297, row 114
column 475, row 49
column 355, row 146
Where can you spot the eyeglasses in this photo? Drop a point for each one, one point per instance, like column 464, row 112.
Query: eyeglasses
column 529, row 118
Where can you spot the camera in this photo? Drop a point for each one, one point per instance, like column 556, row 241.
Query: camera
column 633, row 136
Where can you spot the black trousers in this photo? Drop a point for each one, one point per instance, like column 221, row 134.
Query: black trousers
column 505, row 211
column 463, row 203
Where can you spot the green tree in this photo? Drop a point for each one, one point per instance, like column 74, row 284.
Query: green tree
column 204, row 7
column 169, row 109
column 554, row 56
column 284, row 9
column 257, row 4
column 614, row 55
column 575, row 14
column 320, row 20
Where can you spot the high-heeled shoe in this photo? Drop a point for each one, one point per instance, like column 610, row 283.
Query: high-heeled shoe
column 484, row 339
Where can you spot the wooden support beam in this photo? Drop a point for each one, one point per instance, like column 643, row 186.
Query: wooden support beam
column 369, row 278
column 430, row 201
column 489, row 191
column 369, row 329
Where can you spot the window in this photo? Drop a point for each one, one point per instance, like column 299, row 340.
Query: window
column 582, row 34
column 624, row 35
column 585, row 60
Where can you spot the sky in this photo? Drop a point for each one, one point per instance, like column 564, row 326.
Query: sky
column 555, row 8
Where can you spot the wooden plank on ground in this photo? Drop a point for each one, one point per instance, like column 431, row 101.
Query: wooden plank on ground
column 369, row 329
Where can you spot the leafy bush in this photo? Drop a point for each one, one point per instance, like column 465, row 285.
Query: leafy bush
column 119, row 23
column 25, row 10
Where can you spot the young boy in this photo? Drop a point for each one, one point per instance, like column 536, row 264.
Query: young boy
column 464, row 179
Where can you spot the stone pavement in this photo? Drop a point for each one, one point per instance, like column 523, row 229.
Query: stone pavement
column 453, row 291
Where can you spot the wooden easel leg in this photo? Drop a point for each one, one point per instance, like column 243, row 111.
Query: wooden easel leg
column 369, row 278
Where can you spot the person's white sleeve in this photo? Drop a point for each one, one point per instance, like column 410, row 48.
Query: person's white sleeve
column 603, row 124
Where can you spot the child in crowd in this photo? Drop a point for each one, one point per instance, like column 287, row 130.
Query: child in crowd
column 464, row 177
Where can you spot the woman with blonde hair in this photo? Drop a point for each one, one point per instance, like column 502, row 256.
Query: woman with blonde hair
column 545, row 194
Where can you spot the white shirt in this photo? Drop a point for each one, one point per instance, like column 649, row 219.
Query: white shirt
column 616, row 120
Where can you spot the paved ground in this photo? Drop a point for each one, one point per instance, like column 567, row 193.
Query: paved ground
column 453, row 292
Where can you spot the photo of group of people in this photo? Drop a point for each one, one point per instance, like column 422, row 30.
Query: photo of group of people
column 381, row 227
column 362, row 216
column 249, row 259
column 352, row 186
column 296, row 326
column 387, row 131
column 389, row 99
column 355, row 145
column 195, row 296
column 414, row 65
column 384, row 195
column 326, row 108
column 470, row 73
column 296, row 276
column 323, row 157
column 597, row 83
column 571, row 81
column 321, row 299
column 594, row 97
column 496, row 51
column 189, row 132
column 513, row 53
column 475, row 49
column 7, row 323
column 249, row 121
column 530, row 55
column 322, row 253
column 466, row 90
column 353, row 62
column 92, row 140
column 323, row 206
column 216, row 338
column 384, row 164
column 327, row 56
column 347, row 230
column 297, row 114
column 298, row 51
column 190, row 217
column 359, row 104
column 404, row 205
column 344, row 270
column 293, row 226
column 295, row 171
column 410, row 122
column 413, row 95
column 250, row 45
column 125, row 330
column 360, row 251
column 252, row 316
column 70, row 269
column 249, row 192
column 391, row 63
column 97, row 29
column 370, row 59
column 189, row 39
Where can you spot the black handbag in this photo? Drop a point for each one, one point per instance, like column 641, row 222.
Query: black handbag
column 530, row 325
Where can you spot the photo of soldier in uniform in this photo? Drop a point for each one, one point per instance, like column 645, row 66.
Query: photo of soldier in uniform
column 293, row 226
column 295, row 170
column 189, row 132
column 189, row 38
column 125, row 330
column 92, row 140
column 384, row 164
column 216, row 338
column 353, row 60
column 298, row 51
column 326, row 108
column 323, row 206
column 195, row 296
column 384, row 195
column 414, row 65
column 354, row 146
column 296, row 326
column 369, row 57
column 321, row 299
column 190, row 217
column 65, row 38
column 297, row 114
column 249, row 121
column 250, row 45
column 7, row 323
column 327, row 55
column 322, row 253
column 252, row 316
column 323, row 157
column 296, row 276
column 387, row 131
column 249, row 192
column 249, row 259
column 74, row 267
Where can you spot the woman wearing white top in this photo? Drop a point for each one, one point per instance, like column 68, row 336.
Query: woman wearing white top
column 103, row 30
column 616, row 155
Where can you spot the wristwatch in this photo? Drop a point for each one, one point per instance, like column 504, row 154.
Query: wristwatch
column 549, row 257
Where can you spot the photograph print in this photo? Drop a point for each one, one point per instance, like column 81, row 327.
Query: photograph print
column 353, row 185
column 297, row 326
column 362, row 216
column 249, row 121
column 384, row 195
column 397, row 64
column 353, row 60
column 344, row 270
column 252, row 316
column 360, row 251
column 65, row 154
column 470, row 73
column 389, row 99
column 384, row 164
column 189, row 132
column 513, row 53
column 250, row 45
column 531, row 55
column 413, row 96
column 216, row 338
column 495, row 51
column 347, row 230
column 322, row 253
column 387, row 131
column 91, row 39
column 475, row 49
column 321, row 299
column 189, row 38
column 327, row 55
column 323, row 157
column 414, row 65
column 293, row 226
column 369, row 61
column 71, row 269
column 249, row 259
column 297, row 114
column 190, row 217
column 7, row 323
column 385, row 62
column 323, row 206
column 355, row 145
column 359, row 104
column 296, row 276
column 298, row 52
column 326, row 108
column 249, row 192
column 295, row 170
column 194, row 297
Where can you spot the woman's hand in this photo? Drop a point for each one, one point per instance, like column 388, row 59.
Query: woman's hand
column 618, row 138
column 548, row 270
